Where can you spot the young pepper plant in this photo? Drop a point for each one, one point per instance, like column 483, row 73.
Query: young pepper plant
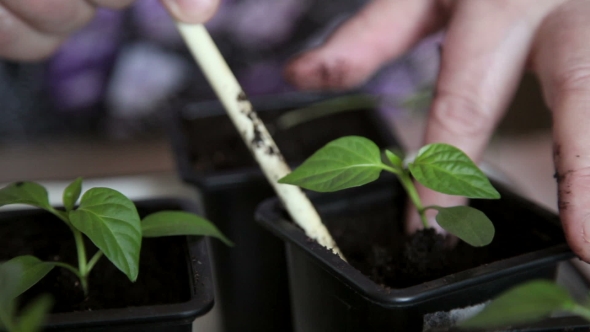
column 526, row 303
column 110, row 221
column 354, row 161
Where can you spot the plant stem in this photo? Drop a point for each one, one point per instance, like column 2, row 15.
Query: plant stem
column 81, row 251
column 82, row 272
column 93, row 261
column 77, row 237
column 408, row 184
column 82, row 265
column 83, row 279
column 68, row 267
column 61, row 215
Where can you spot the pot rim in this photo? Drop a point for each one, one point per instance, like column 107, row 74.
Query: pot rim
column 270, row 217
column 201, row 297
column 231, row 178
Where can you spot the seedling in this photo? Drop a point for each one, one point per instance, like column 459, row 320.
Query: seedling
column 109, row 219
column 353, row 161
column 527, row 303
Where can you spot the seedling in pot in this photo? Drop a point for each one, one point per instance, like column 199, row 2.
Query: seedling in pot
column 110, row 221
column 354, row 161
column 526, row 303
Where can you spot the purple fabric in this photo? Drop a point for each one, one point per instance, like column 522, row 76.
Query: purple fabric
column 85, row 58
column 264, row 23
column 93, row 45
column 413, row 72
column 154, row 22
column 255, row 36
column 263, row 78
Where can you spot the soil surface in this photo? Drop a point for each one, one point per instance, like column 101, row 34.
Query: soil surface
column 163, row 275
column 370, row 235
column 296, row 143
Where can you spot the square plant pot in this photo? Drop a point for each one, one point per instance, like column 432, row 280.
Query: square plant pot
column 174, row 286
column 372, row 294
column 252, row 277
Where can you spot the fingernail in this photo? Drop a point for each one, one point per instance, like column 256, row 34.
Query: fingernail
column 192, row 11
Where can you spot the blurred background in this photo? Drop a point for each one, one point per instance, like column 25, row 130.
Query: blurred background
column 98, row 106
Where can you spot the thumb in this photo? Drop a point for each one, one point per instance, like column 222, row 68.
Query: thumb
column 562, row 61
column 191, row 11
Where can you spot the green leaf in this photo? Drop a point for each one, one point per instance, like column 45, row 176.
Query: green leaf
column 111, row 222
column 525, row 303
column 9, row 279
column 467, row 223
column 448, row 170
column 169, row 223
column 16, row 276
column 30, row 193
column 346, row 162
column 7, row 315
column 394, row 159
column 72, row 193
column 30, row 271
column 32, row 317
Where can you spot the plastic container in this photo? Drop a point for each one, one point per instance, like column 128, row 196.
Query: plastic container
column 252, row 276
column 331, row 295
column 171, row 317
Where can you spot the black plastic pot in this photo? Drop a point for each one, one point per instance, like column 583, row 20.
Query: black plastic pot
column 331, row 295
column 252, row 276
column 189, row 273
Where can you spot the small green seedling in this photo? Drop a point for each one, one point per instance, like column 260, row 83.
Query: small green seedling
column 30, row 319
column 526, row 303
column 109, row 219
column 354, row 161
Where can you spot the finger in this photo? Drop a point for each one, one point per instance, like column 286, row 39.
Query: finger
column 19, row 41
column 192, row 11
column 55, row 16
column 383, row 30
column 561, row 57
column 113, row 4
column 484, row 52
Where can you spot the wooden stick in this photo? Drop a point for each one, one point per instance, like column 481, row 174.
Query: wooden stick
column 253, row 132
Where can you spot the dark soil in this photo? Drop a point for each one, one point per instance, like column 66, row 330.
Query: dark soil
column 296, row 143
column 163, row 275
column 370, row 235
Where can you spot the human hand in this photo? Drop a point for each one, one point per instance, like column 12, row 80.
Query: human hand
column 488, row 45
column 33, row 29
